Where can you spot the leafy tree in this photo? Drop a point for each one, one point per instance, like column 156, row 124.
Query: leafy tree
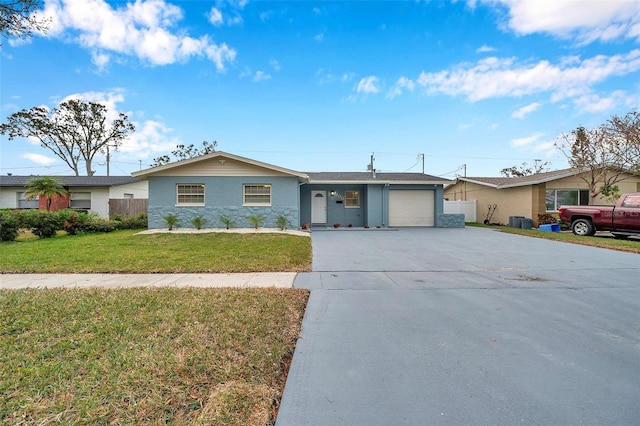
column 44, row 186
column 524, row 170
column 183, row 152
column 18, row 18
column 603, row 153
column 75, row 131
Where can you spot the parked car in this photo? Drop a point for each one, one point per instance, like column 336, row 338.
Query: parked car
column 622, row 220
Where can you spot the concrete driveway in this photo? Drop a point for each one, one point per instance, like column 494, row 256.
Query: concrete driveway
column 465, row 326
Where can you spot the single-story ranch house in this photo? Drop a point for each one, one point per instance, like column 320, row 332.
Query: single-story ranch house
column 529, row 196
column 225, row 185
column 91, row 193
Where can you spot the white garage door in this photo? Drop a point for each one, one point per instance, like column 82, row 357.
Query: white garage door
column 411, row 208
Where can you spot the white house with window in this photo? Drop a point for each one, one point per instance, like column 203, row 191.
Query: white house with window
column 530, row 196
column 91, row 193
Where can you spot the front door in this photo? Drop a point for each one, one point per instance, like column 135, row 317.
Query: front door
column 319, row 207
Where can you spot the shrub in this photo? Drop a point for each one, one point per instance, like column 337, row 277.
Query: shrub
column 171, row 220
column 198, row 222
column 227, row 222
column 46, row 224
column 8, row 226
column 546, row 219
column 139, row 221
column 84, row 223
column 256, row 220
column 282, row 223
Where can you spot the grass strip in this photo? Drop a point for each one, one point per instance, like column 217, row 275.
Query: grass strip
column 125, row 252
column 632, row 246
column 146, row 356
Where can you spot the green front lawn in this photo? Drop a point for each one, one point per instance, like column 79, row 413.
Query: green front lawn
column 125, row 252
column 146, row 356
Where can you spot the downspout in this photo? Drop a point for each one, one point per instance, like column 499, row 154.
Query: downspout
column 385, row 208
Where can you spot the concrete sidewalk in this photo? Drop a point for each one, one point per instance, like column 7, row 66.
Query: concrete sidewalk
column 244, row 280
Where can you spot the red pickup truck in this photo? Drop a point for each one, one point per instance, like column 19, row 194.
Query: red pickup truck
column 622, row 220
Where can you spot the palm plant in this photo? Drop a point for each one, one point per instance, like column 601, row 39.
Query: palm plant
column 227, row 222
column 198, row 222
column 44, row 186
column 256, row 220
column 171, row 220
column 282, row 223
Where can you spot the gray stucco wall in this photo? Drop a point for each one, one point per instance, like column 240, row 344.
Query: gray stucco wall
column 374, row 204
column 223, row 197
column 450, row 221
column 336, row 211
column 376, row 209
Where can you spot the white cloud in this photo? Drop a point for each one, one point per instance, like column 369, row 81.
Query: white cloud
column 585, row 21
column 485, row 49
column 261, row 75
column 274, row 64
column 144, row 29
column 319, row 37
column 215, row 17
column 504, row 77
column 100, row 60
column 520, row 142
column 265, row 16
column 326, row 76
column 150, row 137
column 401, row 85
column 593, row 103
column 368, row 85
column 525, row 110
column 43, row 160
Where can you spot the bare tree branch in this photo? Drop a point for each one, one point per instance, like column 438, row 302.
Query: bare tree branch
column 19, row 18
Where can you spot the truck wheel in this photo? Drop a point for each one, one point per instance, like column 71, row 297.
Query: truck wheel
column 582, row 227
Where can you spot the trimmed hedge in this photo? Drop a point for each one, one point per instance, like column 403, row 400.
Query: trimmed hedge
column 46, row 224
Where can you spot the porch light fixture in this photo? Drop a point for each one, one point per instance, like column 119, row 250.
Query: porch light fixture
column 333, row 193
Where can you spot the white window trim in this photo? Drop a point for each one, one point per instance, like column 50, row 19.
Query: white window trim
column 74, row 199
column 244, row 194
column 345, row 200
column 179, row 204
column 557, row 206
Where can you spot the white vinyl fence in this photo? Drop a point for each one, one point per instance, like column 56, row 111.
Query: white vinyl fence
column 468, row 208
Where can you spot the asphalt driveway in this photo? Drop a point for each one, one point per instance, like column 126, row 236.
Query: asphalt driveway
column 465, row 326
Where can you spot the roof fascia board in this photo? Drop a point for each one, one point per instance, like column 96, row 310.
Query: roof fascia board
column 375, row 182
column 538, row 181
column 153, row 170
column 479, row 182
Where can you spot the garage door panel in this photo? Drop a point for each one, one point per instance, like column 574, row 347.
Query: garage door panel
column 411, row 208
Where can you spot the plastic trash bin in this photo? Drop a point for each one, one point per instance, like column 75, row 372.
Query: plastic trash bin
column 553, row 227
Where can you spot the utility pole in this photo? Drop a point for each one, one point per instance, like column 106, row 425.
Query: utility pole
column 107, row 159
column 421, row 156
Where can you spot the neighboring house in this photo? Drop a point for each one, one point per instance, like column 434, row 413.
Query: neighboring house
column 529, row 196
column 91, row 193
column 222, row 184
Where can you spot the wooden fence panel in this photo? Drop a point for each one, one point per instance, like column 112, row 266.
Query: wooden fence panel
column 127, row 207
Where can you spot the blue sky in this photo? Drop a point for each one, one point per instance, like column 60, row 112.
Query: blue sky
column 320, row 86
